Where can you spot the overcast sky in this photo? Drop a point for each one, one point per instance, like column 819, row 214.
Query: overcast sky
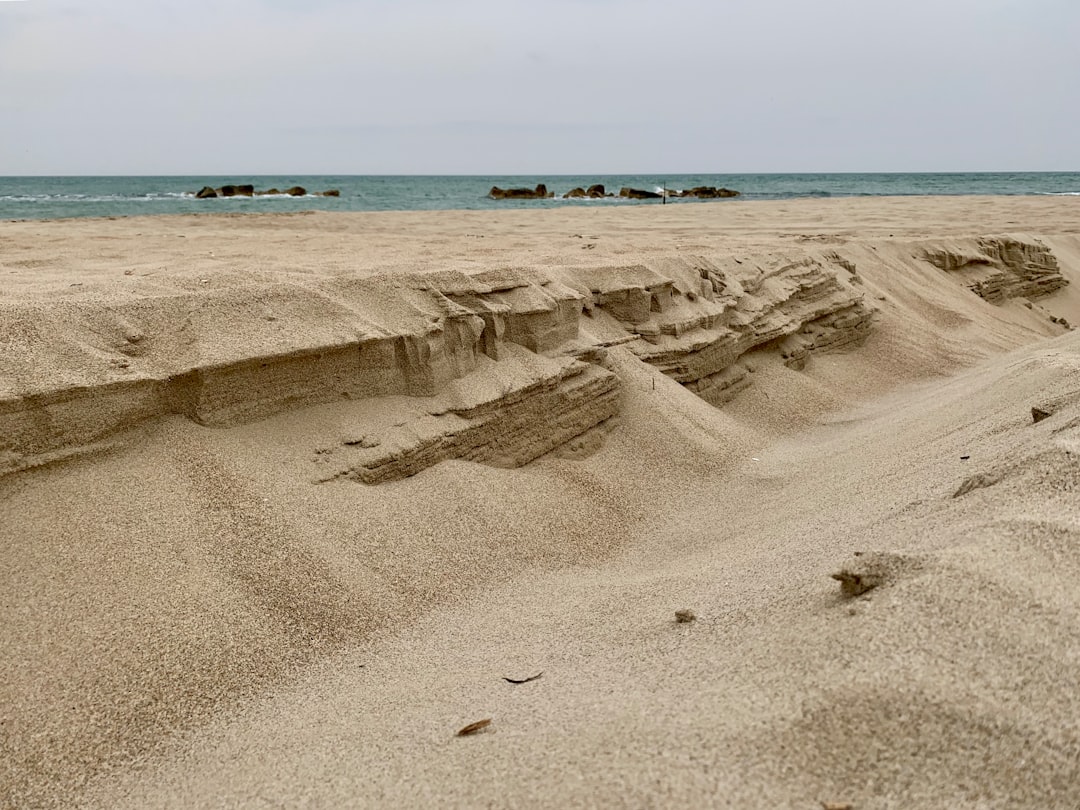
column 537, row 86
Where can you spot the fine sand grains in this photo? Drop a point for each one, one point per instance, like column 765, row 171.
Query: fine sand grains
column 191, row 620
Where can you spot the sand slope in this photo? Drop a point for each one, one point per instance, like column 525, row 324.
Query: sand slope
column 193, row 620
column 945, row 687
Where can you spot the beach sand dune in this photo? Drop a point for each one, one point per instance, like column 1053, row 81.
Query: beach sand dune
column 235, row 576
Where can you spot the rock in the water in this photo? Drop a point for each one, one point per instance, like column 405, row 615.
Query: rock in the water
column 538, row 193
column 244, row 190
column 709, row 192
column 594, row 192
column 639, row 194
column 248, row 190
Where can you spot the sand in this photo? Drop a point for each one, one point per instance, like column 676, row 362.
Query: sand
column 192, row 620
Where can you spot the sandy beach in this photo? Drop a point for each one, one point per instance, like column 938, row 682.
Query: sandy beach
column 286, row 501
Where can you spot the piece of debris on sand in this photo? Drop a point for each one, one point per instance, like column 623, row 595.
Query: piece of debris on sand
column 474, row 728
column 869, row 570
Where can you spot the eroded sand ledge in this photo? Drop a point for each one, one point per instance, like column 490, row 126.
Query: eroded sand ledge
column 243, row 372
column 511, row 358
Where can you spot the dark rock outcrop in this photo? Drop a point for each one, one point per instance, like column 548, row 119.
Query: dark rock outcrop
column 245, row 190
column 709, row 192
column 594, row 192
column 248, row 190
column 538, row 193
column 639, row 194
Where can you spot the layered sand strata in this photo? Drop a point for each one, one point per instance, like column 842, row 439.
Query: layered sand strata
column 82, row 364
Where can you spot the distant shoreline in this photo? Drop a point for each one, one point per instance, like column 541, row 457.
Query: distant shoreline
column 623, row 205
column 73, row 197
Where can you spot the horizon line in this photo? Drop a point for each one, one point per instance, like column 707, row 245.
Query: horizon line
column 552, row 174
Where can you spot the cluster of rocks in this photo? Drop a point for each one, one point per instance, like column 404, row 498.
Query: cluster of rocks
column 593, row 192
column 249, row 191
column 538, row 193
column 597, row 191
column 706, row 193
column 701, row 192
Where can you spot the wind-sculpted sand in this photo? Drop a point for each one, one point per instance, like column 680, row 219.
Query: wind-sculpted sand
column 292, row 505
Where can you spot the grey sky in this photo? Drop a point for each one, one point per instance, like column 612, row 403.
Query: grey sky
column 537, row 86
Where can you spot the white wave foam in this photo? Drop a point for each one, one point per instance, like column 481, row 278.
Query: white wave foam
column 86, row 198
column 259, row 196
column 153, row 196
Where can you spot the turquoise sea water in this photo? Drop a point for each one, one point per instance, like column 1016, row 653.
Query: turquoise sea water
column 53, row 197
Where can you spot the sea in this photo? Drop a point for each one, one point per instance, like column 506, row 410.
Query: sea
column 62, row 197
